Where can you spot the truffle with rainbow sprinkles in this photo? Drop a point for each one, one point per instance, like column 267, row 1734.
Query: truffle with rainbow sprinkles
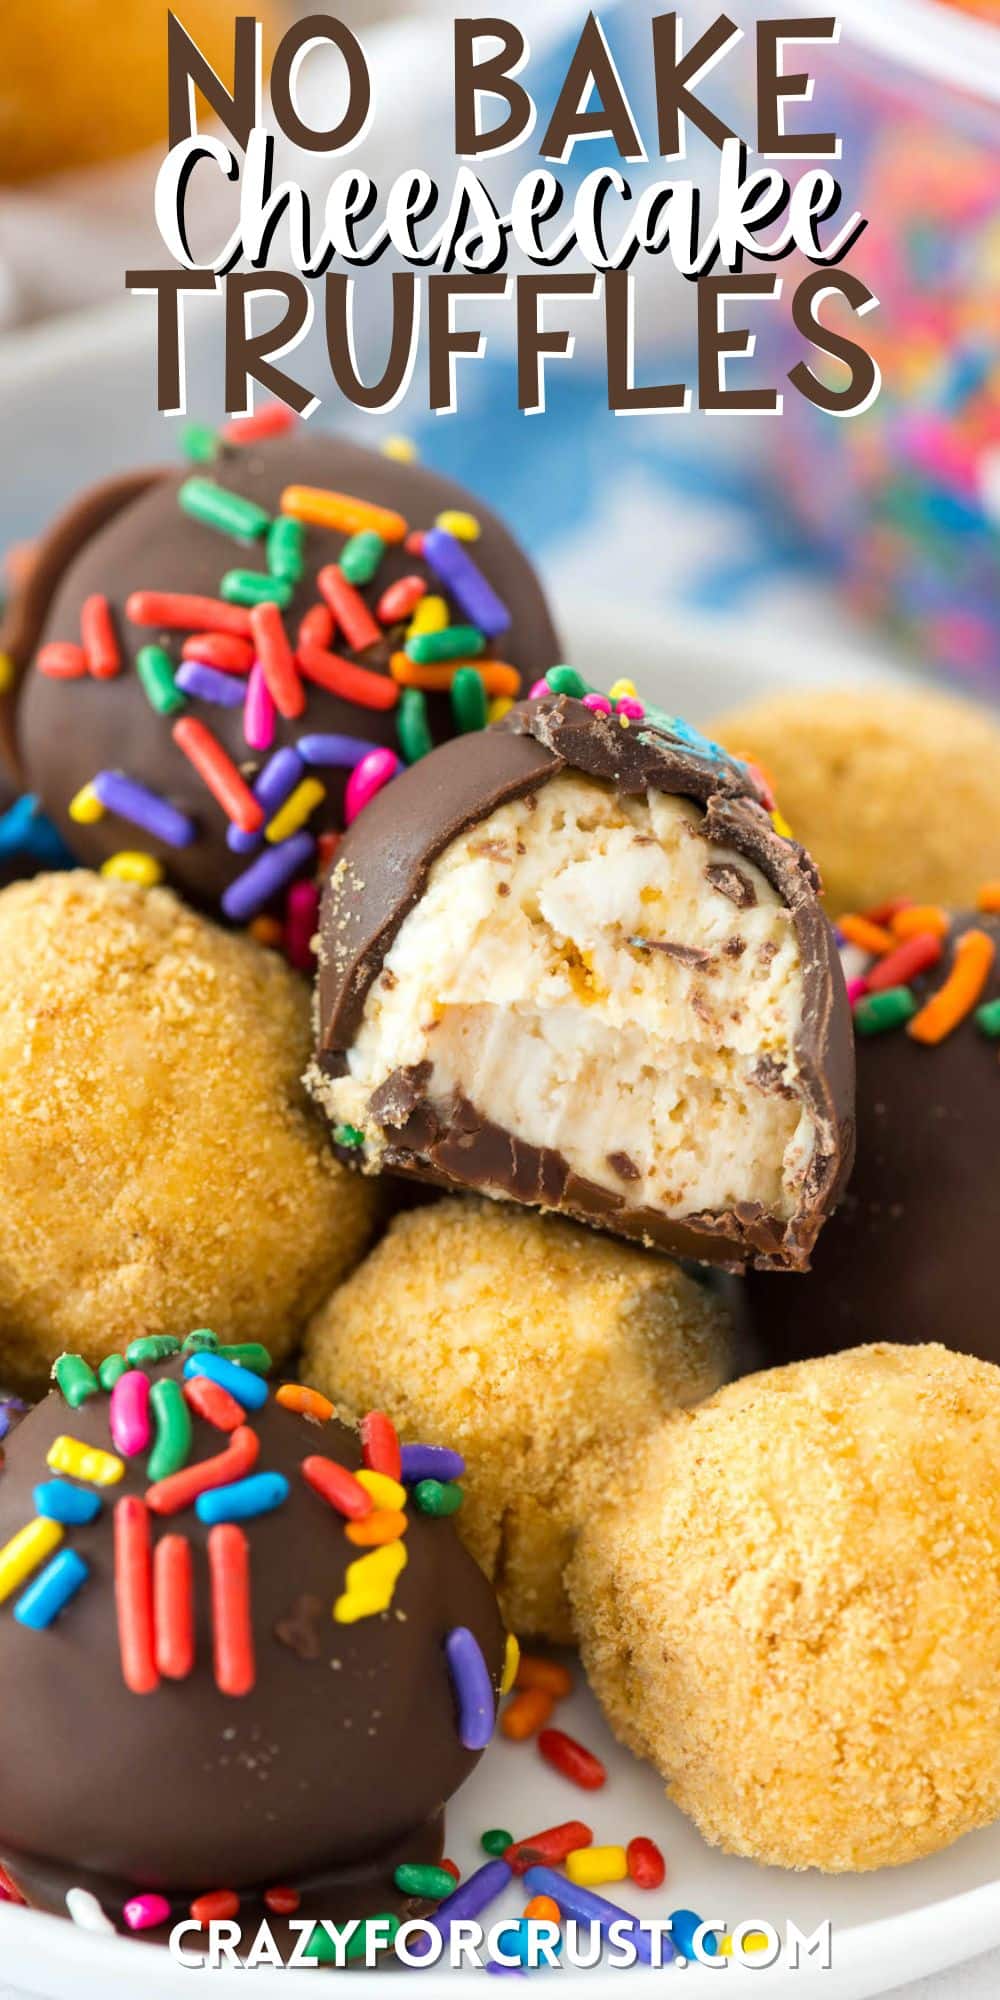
column 578, row 962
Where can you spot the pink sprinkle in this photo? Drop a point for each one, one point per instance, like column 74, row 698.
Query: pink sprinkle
column 598, row 702
column 143, row 1913
column 301, row 918
column 540, row 688
column 856, row 989
column 258, row 711
column 366, row 779
column 630, row 707
column 129, row 1418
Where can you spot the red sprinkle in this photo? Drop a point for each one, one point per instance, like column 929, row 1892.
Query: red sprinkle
column 100, row 642
column 343, row 678
column 277, row 661
column 551, row 1846
column 337, row 1487
column 569, row 1757
column 9, row 1893
column 213, row 1403
column 645, row 1863
column 134, row 1595
column 220, row 650
column 316, row 626
column 351, row 613
column 282, row 1902
column 916, row 954
column 60, row 660
column 217, row 770
column 229, row 1566
column 301, row 920
column 326, row 848
column 414, row 543
column 400, row 599
column 380, row 1445
column 173, row 1607
column 883, row 913
column 271, row 420
column 219, row 1903
column 181, row 1489
column 451, row 1868
column 177, row 611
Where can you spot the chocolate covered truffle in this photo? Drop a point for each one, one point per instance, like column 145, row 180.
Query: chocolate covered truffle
column 792, row 1607
column 909, row 1254
column 264, row 1667
column 571, row 963
column 226, row 661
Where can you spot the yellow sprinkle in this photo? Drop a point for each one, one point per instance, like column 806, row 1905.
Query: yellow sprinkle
column 25, row 1551
column 498, row 707
column 86, row 807
column 755, row 1941
column 296, row 809
column 620, row 689
column 6, row 673
column 129, row 866
column 402, row 449
column 726, row 1946
column 455, row 521
column 370, row 1582
column 83, row 1461
column 511, row 1662
column 430, row 615
column 589, row 1865
column 780, row 825
column 384, row 1491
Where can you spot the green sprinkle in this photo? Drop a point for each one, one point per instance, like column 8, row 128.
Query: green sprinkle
column 566, row 680
column 496, row 1840
column 215, row 507
column 348, row 1135
column 200, row 443
column 75, row 1379
column 360, row 556
column 173, row 1429
column 249, row 1354
column 987, row 1017
column 111, row 1370
column 152, row 1347
column 412, row 727
column 251, row 586
column 435, row 1496
column 416, row 1880
column 200, row 1340
column 468, row 700
column 155, row 669
column 322, row 1947
column 875, row 1012
column 456, row 642
column 359, row 1942
column 286, row 548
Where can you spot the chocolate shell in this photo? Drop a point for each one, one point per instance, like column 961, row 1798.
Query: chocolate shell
column 749, row 879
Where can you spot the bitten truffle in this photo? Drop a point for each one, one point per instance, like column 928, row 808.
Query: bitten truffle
column 540, row 1350
column 246, row 1693
column 571, row 963
column 794, row 1610
column 225, row 661
column 882, row 785
column 159, row 1160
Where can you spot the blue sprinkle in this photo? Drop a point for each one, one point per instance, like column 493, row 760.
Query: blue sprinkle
column 683, row 1924
column 587, row 1908
column 57, row 1500
column 24, row 830
column 430, row 1461
column 41, row 1603
column 244, row 1499
column 517, row 1940
column 249, row 1389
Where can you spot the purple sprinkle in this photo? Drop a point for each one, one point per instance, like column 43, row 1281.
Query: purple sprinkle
column 469, row 1899
column 275, row 784
column 144, row 808
column 587, row 1908
column 347, row 751
column 264, row 878
column 207, row 684
column 431, row 1461
column 466, row 582
column 472, row 1688
column 511, row 1971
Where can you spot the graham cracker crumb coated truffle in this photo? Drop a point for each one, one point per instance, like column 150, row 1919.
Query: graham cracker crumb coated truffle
column 159, row 1164
column 539, row 1350
column 882, row 785
column 793, row 1608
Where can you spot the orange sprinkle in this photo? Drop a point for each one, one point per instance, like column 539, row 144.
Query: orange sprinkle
column 988, row 898
column 525, row 1714
column 343, row 512
column 543, row 1910
column 883, row 913
column 534, row 1672
column 973, row 960
column 916, row 918
column 307, row 1402
column 498, row 677
column 267, row 931
column 867, row 936
column 383, row 1524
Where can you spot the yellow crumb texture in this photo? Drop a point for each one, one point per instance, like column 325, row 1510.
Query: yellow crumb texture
column 894, row 792
column 160, row 1167
column 539, row 1350
column 794, row 1610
